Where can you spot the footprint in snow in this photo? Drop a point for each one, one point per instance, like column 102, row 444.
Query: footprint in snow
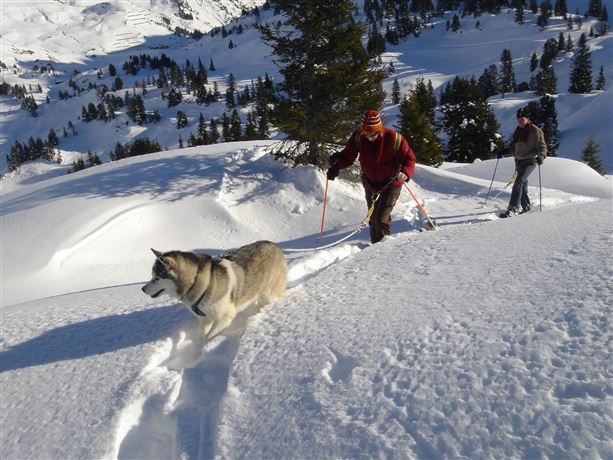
column 339, row 368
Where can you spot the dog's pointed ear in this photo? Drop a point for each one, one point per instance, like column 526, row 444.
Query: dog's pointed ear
column 159, row 256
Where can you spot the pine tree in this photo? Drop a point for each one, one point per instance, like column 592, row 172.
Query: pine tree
column 230, row 89
column 396, row 92
column 52, row 138
column 507, row 74
column 519, row 15
column 569, row 43
column 561, row 42
column 550, row 51
column 424, row 92
column 181, row 119
column 546, row 12
column 470, row 124
column 93, row 159
column 601, row 83
column 136, row 109
column 590, row 156
column 235, row 126
column 174, row 97
column 560, row 8
column 455, row 23
column 225, row 128
column 581, row 68
column 327, row 82
column 488, row 81
column 251, row 127
column 376, row 43
column 595, row 8
column 533, row 5
column 534, row 62
column 549, row 124
column 546, row 82
column 203, row 135
column 416, row 127
column 214, row 134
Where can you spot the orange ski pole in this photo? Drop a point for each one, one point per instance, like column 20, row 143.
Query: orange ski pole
column 431, row 223
column 323, row 212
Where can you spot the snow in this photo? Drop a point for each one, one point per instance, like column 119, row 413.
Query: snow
column 486, row 338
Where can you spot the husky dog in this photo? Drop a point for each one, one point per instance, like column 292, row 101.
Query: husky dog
column 216, row 289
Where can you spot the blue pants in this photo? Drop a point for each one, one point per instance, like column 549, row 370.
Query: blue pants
column 519, row 195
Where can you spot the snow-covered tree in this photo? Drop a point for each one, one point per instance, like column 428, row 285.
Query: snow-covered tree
column 419, row 131
column 470, row 124
column 327, row 80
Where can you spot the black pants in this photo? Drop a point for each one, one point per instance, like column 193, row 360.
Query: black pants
column 380, row 222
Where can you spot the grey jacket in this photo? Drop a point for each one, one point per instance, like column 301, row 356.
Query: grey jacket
column 534, row 146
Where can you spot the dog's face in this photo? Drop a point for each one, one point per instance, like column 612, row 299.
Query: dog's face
column 163, row 277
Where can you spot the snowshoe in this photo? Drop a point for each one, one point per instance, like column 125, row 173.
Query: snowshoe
column 507, row 213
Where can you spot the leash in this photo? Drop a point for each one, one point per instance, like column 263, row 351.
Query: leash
column 505, row 187
column 360, row 226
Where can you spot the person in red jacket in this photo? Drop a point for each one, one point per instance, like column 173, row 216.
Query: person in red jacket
column 386, row 162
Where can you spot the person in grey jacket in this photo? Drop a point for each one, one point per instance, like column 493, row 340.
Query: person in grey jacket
column 529, row 149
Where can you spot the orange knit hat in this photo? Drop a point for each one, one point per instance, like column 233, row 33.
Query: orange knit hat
column 371, row 122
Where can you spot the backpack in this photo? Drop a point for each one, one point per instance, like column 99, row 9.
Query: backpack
column 397, row 141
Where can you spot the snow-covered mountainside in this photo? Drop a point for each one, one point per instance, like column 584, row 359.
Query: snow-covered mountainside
column 72, row 69
column 68, row 31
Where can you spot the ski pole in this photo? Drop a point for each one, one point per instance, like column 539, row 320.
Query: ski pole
column 540, row 189
column 421, row 208
column 488, row 190
column 323, row 213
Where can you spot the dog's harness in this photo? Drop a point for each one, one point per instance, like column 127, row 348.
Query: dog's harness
column 215, row 260
column 194, row 306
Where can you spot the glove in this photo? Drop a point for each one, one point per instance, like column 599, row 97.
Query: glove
column 332, row 173
column 539, row 159
column 402, row 177
column 332, row 160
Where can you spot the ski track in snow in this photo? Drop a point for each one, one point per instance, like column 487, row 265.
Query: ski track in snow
column 177, row 396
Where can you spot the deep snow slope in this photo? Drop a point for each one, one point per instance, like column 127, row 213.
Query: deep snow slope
column 484, row 341
column 485, row 338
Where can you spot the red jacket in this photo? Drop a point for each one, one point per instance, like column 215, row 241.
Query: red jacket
column 379, row 163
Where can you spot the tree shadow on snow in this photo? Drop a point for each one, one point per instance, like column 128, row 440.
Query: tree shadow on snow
column 93, row 337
